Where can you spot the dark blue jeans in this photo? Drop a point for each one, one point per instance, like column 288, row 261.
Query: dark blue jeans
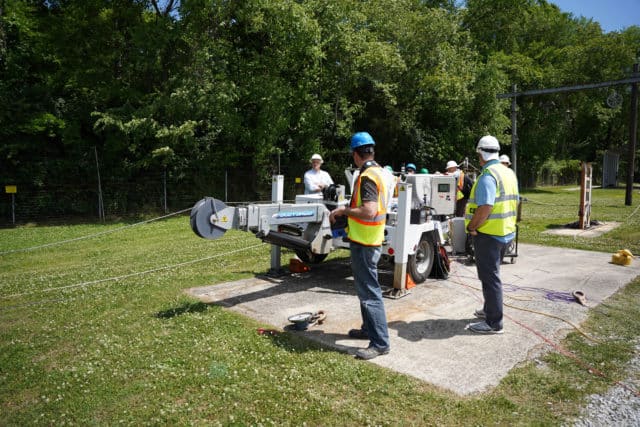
column 488, row 254
column 364, row 265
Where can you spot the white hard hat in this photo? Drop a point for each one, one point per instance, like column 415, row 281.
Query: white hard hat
column 452, row 164
column 505, row 159
column 316, row 156
column 489, row 147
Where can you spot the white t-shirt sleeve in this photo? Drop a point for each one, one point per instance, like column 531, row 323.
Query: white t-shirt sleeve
column 328, row 180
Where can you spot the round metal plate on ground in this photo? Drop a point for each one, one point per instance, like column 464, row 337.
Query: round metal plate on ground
column 300, row 317
column 301, row 320
column 201, row 218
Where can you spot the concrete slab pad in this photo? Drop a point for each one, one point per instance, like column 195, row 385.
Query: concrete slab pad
column 593, row 231
column 427, row 327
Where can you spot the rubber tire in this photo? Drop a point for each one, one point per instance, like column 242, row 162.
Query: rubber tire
column 309, row 257
column 420, row 264
column 510, row 251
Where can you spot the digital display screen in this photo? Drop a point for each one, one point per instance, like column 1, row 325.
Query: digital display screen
column 443, row 188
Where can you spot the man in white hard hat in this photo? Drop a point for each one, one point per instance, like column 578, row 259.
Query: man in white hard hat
column 504, row 159
column 315, row 179
column 463, row 184
column 491, row 221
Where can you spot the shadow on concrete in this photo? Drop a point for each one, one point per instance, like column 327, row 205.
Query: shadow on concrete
column 329, row 340
column 431, row 329
column 341, row 283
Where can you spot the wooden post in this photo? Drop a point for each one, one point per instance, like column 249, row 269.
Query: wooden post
column 584, row 214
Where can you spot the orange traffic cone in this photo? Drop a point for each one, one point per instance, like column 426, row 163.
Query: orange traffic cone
column 409, row 282
column 297, row 266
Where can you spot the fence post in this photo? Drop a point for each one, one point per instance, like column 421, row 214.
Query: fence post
column 164, row 182
column 12, row 189
column 100, row 201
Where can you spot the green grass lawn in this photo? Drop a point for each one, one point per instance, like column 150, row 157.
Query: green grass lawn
column 99, row 331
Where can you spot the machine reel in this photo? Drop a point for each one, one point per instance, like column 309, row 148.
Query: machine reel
column 211, row 218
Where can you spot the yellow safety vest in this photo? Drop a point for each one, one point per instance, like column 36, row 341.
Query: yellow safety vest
column 502, row 219
column 369, row 232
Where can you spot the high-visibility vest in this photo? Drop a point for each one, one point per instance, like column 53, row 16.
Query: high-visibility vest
column 369, row 232
column 459, row 193
column 502, row 219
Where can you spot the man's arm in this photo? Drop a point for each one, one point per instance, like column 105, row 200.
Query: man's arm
column 310, row 184
column 485, row 197
column 367, row 210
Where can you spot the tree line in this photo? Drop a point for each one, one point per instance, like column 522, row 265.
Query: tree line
column 211, row 89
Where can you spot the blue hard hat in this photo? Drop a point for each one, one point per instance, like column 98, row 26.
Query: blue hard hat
column 411, row 166
column 361, row 138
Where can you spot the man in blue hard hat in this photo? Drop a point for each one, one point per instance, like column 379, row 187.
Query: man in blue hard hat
column 366, row 215
column 411, row 168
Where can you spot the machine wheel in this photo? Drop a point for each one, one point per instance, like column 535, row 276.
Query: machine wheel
column 420, row 263
column 511, row 248
column 510, row 251
column 309, row 257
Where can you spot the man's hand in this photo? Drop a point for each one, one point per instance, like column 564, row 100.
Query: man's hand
column 340, row 211
column 479, row 217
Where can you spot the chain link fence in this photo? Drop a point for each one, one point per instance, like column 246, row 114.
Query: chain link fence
column 156, row 193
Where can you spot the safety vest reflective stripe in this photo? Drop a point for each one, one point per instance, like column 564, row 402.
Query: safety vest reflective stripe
column 501, row 215
column 369, row 232
column 502, row 219
column 499, row 199
column 376, row 220
column 509, row 197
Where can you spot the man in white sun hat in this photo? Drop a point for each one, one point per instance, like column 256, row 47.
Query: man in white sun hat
column 315, row 179
column 504, row 159
column 463, row 184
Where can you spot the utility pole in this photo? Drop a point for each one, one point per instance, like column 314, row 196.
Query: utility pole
column 633, row 133
column 514, row 131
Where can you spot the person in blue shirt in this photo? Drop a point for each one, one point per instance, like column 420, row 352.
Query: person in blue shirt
column 491, row 221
